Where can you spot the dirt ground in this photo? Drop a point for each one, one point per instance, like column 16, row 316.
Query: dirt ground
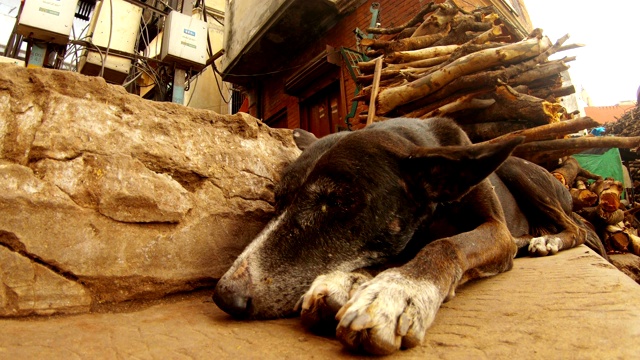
column 573, row 305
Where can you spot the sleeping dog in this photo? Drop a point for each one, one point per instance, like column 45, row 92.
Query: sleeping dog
column 375, row 228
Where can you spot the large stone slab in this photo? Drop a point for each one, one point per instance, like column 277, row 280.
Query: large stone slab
column 110, row 197
column 573, row 305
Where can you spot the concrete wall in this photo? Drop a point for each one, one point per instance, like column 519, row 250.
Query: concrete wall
column 203, row 91
column 570, row 102
column 243, row 19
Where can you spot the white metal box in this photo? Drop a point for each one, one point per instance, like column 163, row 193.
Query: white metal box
column 48, row 20
column 126, row 25
column 184, row 40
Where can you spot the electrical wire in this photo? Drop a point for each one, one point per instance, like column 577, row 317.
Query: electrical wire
column 204, row 15
column 104, row 60
column 260, row 74
column 73, row 48
column 86, row 44
column 219, row 89
column 193, row 92
column 132, row 80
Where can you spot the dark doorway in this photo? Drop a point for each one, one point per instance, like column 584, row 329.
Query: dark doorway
column 278, row 120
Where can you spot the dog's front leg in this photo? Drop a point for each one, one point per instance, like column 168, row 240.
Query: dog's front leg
column 395, row 308
column 327, row 294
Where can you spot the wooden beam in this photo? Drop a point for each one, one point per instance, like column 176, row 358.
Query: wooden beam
column 374, row 91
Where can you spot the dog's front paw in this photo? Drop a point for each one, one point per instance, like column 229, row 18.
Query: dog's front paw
column 327, row 294
column 544, row 245
column 388, row 312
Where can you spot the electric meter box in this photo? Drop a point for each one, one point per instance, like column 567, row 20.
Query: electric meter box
column 184, row 40
column 124, row 35
column 47, row 20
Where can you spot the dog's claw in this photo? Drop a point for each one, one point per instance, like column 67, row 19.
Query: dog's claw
column 388, row 312
column 363, row 321
column 326, row 296
column 298, row 306
column 318, row 294
column 403, row 325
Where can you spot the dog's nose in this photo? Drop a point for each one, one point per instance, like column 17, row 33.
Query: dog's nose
column 232, row 293
column 232, row 302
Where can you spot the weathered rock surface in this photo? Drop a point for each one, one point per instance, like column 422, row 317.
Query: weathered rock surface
column 628, row 264
column 573, row 305
column 106, row 197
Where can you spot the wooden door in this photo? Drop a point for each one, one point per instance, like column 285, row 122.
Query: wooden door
column 321, row 113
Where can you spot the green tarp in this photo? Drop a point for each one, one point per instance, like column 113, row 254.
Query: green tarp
column 606, row 165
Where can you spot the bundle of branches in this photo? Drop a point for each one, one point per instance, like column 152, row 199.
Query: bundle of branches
column 465, row 65
column 470, row 66
column 627, row 125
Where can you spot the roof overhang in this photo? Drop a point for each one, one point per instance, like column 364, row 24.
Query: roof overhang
column 288, row 30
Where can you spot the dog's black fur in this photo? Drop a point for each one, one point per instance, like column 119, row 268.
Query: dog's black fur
column 406, row 192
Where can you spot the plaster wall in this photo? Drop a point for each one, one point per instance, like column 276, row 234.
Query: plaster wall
column 243, row 19
column 204, row 91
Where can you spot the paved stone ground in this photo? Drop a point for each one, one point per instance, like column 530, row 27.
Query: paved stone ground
column 573, row 305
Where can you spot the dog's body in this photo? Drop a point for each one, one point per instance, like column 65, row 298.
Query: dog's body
column 411, row 192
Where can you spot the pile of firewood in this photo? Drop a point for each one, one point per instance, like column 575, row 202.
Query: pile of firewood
column 466, row 65
column 600, row 203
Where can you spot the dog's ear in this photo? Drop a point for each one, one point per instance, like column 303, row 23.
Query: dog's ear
column 449, row 172
column 303, row 138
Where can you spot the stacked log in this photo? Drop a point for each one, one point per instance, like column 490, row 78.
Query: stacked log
column 468, row 66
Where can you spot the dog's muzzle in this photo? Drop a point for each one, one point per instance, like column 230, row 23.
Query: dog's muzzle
column 231, row 302
column 232, row 293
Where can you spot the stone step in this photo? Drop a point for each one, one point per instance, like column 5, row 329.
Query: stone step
column 572, row 305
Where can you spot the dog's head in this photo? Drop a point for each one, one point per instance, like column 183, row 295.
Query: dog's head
column 351, row 200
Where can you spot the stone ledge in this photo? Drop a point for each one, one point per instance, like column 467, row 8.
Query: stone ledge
column 106, row 197
column 572, row 305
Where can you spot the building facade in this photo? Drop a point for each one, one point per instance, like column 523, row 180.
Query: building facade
column 294, row 59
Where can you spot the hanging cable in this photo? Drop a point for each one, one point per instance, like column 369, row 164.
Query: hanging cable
column 218, row 83
column 104, row 60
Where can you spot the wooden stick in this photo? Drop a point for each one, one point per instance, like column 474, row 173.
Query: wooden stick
column 465, row 102
column 550, row 131
column 413, row 43
column 421, row 54
column 420, row 63
column 438, row 21
column 540, row 152
column 374, row 91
